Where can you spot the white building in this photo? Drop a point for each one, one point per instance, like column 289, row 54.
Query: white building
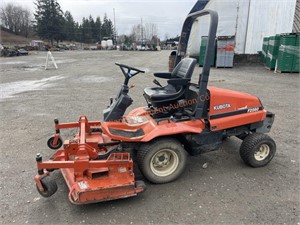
column 248, row 20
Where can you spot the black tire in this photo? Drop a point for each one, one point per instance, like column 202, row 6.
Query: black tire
column 257, row 149
column 52, row 146
column 49, row 185
column 140, row 184
column 162, row 160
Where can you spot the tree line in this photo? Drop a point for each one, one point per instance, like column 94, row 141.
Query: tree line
column 17, row 19
column 51, row 23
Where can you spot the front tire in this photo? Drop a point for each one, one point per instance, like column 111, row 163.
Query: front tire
column 257, row 149
column 162, row 160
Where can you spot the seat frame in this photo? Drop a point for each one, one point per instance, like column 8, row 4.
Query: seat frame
column 178, row 84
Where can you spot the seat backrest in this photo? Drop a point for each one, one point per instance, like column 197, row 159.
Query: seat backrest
column 184, row 68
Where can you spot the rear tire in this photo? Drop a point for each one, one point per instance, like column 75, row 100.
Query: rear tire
column 162, row 160
column 257, row 149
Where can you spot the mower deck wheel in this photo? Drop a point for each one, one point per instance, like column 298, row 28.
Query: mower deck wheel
column 162, row 160
column 49, row 185
column 257, row 149
column 140, row 184
column 54, row 146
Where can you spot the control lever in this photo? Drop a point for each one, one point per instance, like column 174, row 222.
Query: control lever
column 132, row 86
column 157, row 82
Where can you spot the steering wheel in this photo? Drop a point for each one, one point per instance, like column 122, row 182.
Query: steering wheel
column 128, row 73
column 130, row 68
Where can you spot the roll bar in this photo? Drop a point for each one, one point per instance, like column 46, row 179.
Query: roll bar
column 185, row 34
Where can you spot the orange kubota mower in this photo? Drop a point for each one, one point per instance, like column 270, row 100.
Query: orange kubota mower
column 179, row 118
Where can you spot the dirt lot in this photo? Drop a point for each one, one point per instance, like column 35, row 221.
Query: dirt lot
column 226, row 192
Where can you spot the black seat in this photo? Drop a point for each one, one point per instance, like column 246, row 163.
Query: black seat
column 178, row 82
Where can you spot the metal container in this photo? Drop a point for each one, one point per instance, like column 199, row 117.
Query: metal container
column 225, row 51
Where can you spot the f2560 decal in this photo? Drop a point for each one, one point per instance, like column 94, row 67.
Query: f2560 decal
column 255, row 109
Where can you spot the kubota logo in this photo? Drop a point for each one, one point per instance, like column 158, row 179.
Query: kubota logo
column 223, row 106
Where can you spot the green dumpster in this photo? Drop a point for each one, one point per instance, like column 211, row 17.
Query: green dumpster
column 295, row 67
column 264, row 49
column 202, row 52
column 288, row 56
column 272, row 52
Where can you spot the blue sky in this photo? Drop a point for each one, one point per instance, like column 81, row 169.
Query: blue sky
column 168, row 15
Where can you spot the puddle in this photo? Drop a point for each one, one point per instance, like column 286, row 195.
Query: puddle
column 94, row 79
column 60, row 61
column 12, row 63
column 8, row 90
column 32, row 69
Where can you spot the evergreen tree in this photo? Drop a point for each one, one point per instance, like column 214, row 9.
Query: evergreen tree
column 49, row 20
column 70, row 28
column 52, row 24
column 93, row 29
column 107, row 30
column 86, row 31
column 77, row 33
column 98, row 25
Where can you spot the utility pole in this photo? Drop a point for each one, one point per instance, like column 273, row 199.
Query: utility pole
column 142, row 30
column 114, row 18
column 115, row 28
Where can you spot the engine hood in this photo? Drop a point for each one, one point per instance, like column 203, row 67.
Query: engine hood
column 223, row 101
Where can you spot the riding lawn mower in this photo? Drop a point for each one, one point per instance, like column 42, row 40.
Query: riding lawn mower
column 180, row 118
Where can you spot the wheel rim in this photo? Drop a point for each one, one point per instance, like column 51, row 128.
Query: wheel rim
column 53, row 145
column 262, row 152
column 164, row 162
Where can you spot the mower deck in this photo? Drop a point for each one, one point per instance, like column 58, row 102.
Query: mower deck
column 112, row 181
column 92, row 173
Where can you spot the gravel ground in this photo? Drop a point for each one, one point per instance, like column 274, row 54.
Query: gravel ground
column 226, row 192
